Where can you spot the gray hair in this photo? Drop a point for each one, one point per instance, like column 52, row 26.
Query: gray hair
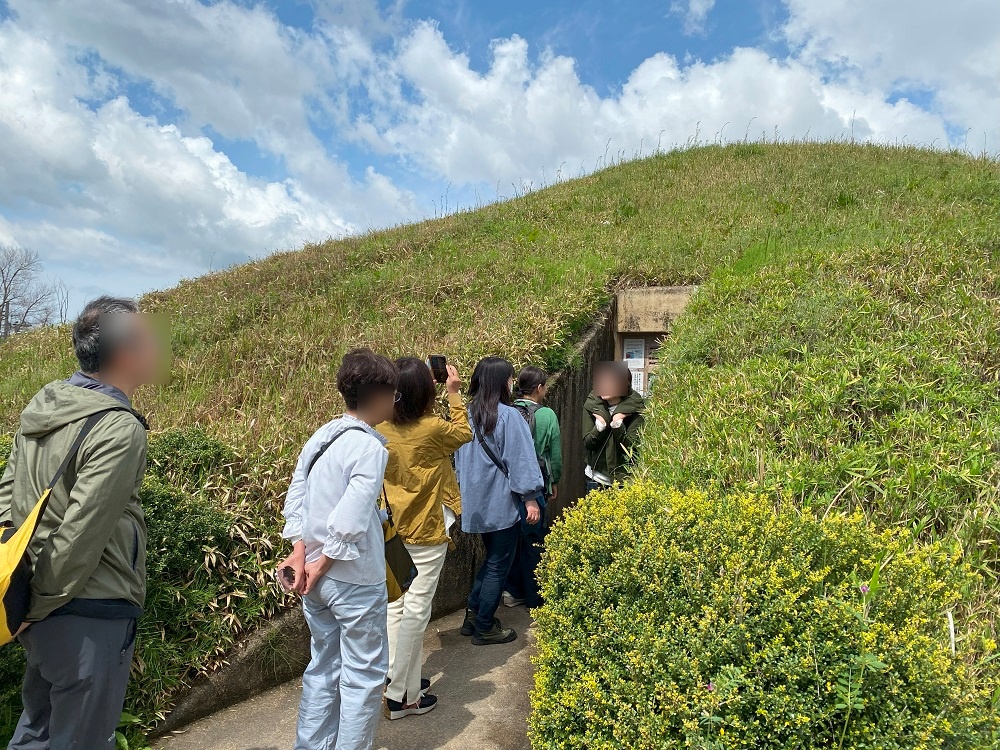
column 90, row 345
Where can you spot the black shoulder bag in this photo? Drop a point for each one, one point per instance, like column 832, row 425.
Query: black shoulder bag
column 400, row 571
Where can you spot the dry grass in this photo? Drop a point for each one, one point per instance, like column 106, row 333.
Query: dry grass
column 256, row 347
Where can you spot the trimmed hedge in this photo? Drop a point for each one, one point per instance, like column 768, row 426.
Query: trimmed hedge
column 709, row 620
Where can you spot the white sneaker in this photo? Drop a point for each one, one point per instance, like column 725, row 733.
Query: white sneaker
column 511, row 601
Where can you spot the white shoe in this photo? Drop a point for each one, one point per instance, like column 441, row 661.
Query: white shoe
column 511, row 601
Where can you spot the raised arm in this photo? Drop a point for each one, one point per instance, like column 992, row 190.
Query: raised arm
column 593, row 430
column 457, row 432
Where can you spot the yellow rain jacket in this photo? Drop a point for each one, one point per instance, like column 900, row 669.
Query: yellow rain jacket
column 420, row 480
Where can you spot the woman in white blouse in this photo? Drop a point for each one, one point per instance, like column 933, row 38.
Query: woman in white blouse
column 338, row 563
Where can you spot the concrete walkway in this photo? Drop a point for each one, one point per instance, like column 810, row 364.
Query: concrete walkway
column 482, row 692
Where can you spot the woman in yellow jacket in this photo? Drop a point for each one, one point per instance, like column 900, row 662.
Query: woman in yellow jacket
column 425, row 501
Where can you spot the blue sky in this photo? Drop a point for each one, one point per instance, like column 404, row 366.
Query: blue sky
column 144, row 142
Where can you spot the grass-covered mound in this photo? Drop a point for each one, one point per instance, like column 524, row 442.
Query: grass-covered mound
column 256, row 347
column 859, row 378
column 710, row 620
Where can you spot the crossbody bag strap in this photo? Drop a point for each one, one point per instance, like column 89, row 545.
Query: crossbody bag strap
column 326, row 447
column 87, row 428
column 74, row 449
column 388, row 508
column 489, row 451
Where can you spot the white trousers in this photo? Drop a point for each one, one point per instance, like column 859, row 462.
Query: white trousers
column 342, row 687
column 408, row 619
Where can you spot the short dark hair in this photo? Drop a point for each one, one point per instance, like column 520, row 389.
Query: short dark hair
column 363, row 372
column 93, row 349
column 416, row 390
column 530, row 378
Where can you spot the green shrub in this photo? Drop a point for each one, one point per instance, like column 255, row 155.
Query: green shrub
column 6, row 442
column 708, row 620
column 206, row 582
column 188, row 456
column 181, row 528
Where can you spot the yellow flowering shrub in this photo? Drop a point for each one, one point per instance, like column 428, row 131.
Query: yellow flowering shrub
column 706, row 620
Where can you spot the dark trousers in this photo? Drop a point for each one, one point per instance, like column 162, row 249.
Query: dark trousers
column 522, row 582
column 74, row 686
column 487, row 591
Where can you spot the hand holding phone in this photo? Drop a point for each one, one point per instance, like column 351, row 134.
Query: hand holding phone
column 454, row 381
column 439, row 367
column 286, row 577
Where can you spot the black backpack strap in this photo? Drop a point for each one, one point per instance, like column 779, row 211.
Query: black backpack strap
column 489, row 451
column 528, row 412
column 326, row 447
column 74, row 449
column 87, row 428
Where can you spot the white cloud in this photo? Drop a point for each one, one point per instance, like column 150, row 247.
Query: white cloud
column 108, row 185
column 949, row 50
column 364, row 16
column 520, row 117
column 694, row 12
column 87, row 178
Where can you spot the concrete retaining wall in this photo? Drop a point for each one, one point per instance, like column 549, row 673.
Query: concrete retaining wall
column 567, row 395
column 279, row 651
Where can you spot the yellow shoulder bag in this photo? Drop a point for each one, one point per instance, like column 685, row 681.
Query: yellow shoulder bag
column 15, row 565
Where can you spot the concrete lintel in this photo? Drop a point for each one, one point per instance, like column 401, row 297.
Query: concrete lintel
column 651, row 309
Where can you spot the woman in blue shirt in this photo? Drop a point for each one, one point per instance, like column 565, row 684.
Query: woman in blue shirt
column 500, row 483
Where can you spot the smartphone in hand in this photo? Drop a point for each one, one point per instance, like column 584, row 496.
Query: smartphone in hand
column 439, row 367
column 286, row 577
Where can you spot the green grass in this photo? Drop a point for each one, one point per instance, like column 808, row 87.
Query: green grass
column 842, row 348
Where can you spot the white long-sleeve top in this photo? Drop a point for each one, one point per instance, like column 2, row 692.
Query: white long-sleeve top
column 335, row 510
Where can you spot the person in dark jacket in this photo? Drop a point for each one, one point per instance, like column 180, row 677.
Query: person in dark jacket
column 612, row 424
column 532, row 387
column 89, row 554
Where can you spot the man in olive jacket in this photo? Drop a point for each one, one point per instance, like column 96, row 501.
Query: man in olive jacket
column 89, row 553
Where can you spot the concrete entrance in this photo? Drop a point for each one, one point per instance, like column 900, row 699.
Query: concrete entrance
column 643, row 321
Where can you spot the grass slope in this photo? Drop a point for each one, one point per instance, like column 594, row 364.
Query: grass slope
column 842, row 348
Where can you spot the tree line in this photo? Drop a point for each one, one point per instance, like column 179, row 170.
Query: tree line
column 26, row 298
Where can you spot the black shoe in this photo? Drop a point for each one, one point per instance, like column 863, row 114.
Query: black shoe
column 469, row 626
column 395, row 710
column 425, row 685
column 494, row 636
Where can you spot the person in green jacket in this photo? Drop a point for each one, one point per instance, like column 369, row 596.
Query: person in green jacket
column 532, row 386
column 612, row 424
column 89, row 552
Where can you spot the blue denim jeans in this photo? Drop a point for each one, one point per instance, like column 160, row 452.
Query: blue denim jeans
column 487, row 591
column 522, row 582
column 342, row 686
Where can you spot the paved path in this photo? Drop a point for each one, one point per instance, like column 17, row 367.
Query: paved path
column 483, row 693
